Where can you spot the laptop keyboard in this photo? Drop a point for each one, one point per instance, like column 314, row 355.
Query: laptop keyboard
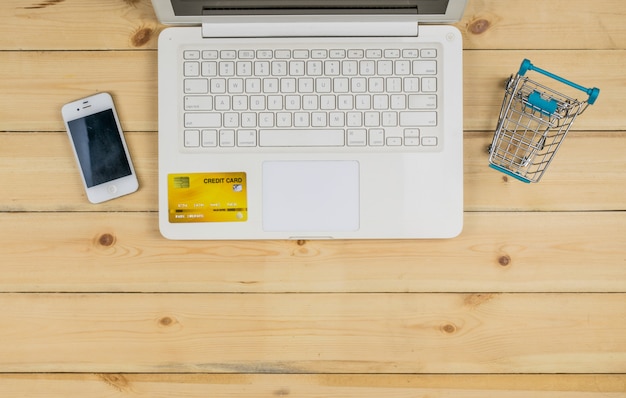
column 337, row 97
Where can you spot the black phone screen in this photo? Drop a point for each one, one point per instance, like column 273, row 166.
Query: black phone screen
column 99, row 148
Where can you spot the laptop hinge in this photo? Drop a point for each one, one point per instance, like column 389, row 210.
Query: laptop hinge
column 310, row 26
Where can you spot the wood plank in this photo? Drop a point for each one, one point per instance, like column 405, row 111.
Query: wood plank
column 49, row 180
column 587, row 174
column 37, row 84
column 319, row 385
column 59, row 25
column 313, row 333
column 486, row 73
column 54, row 78
column 487, row 24
column 497, row 252
column 578, row 24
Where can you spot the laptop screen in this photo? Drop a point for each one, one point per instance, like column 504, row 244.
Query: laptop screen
column 282, row 7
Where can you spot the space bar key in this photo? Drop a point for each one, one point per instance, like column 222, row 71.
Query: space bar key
column 302, row 138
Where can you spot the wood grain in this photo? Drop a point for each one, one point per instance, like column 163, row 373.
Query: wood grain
column 497, row 252
column 313, row 333
column 487, row 24
column 313, row 385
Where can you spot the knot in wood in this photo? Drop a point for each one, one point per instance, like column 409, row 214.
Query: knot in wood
column 479, row 26
column 448, row 328
column 504, row 260
column 106, row 240
column 141, row 37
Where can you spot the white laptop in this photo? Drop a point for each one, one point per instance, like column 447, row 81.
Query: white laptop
column 299, row 119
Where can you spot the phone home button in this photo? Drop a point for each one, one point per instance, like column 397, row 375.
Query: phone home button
column 112, row 189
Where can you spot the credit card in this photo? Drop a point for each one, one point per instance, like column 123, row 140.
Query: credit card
column 207, row 197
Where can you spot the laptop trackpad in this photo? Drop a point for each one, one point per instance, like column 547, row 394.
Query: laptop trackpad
column 310, row 196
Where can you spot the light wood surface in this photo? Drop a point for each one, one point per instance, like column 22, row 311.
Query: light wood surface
column 529, row 301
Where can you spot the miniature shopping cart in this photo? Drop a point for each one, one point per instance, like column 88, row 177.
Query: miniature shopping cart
column 533, row 122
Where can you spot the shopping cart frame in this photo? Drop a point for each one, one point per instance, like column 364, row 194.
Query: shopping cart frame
column 533, row 121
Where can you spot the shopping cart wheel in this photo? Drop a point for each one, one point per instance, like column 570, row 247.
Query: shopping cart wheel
column 509, row 82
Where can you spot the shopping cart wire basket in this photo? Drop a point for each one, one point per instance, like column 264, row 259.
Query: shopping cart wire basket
column 533, row 122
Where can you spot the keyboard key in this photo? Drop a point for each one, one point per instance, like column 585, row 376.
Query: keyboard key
column 394, row 141
column 282, row 54
column 246, row 54
column 231, row 119
column 228, row 54
column 191, row 54
column 244, row 68
column 302, row 138
column 192, row 138
column 218, row 86
column 266, row 119
column 337, row 54
column 367, row 68
column 350, row 68
column 390, row 119
column 385, row 68
column 411, row 141
column 424, row 67
column 209, row 54
column 209, row 69
column 429, row 53
column 376, row 137
column 191, row 69
column 246, row 138
column 301, row 119
column 264, row 54
column 196, row 86
column 356, row 137
column 392, row 53
column 319, row 119
column 372, row 119
column 422, row 101
column 300, row 54
column 411, row 133
column 204, row 119
column 429, row 141
column 198, row 103
column 429, row 84
column 412, row 84
column 319, row 54
column 227, row 138
column 209, row 138
column 354, row 119
column 410, row 53
column 374, row 54
column 356, row 53
column 398, row 101
column 248, row 119
column 283, row 119
column 403, row 67
column 418, row 119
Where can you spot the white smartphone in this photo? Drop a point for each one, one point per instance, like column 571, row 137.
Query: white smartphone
column 100, row 148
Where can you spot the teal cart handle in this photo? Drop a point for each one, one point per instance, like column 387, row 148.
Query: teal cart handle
column 591, row 92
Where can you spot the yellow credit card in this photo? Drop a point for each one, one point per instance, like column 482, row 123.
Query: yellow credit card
column 207, row 197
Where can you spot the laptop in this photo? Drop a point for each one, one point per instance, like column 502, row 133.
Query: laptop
column 299, row 119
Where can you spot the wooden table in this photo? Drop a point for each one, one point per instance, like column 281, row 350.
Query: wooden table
column 530, row 300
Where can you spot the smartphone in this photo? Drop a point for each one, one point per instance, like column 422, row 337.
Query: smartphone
column 100, row 148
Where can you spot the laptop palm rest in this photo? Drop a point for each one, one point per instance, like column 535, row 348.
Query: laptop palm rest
column 311, row 198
